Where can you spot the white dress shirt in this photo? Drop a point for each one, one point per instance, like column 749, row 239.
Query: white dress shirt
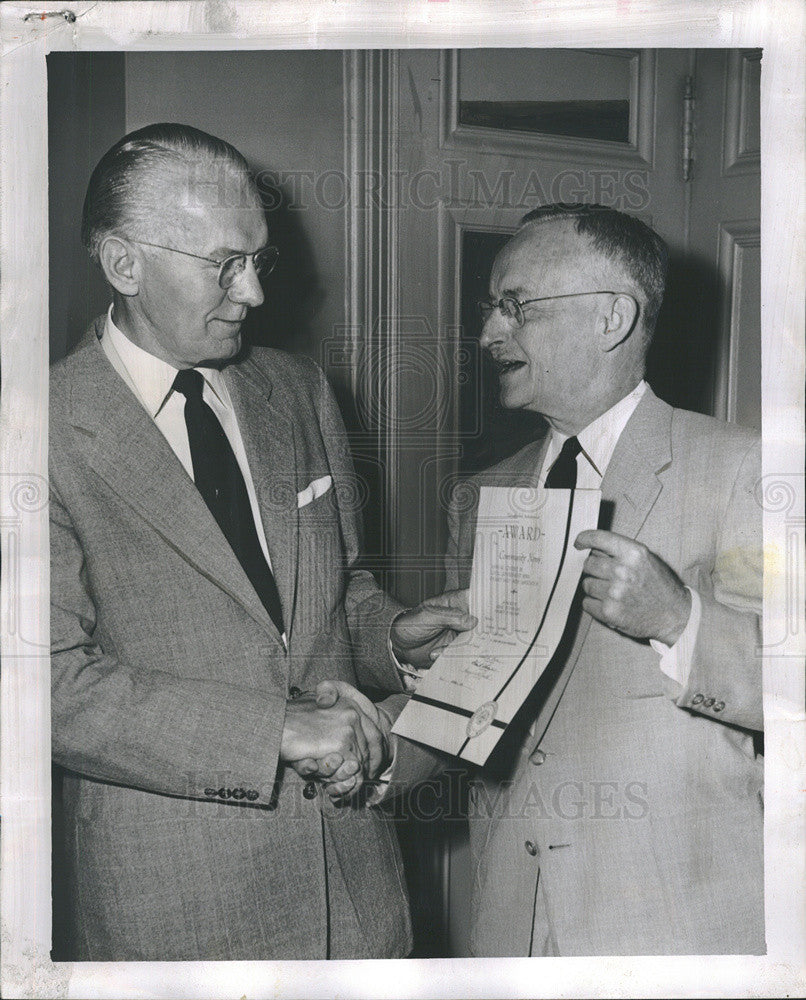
column 598, row 442
column 151, row 380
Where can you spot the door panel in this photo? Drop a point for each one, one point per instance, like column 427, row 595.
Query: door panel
column 725, row 221
column 551, row 101
column 468, row 184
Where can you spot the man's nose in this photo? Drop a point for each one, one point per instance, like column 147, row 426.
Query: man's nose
column 494, row 329
column 246, row 288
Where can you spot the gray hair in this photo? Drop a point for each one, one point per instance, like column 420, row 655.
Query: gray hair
column 126, row 192
column 620, row 237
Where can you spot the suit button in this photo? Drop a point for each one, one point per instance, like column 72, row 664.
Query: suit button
column 698, row 699
column 309, row 791
column 530, row 848
column 537, row 757
column 294, row 692
column 719, row 706
column 708, row 702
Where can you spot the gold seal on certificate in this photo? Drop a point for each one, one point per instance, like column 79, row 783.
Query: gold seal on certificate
column 480, row 719
column 525, row 574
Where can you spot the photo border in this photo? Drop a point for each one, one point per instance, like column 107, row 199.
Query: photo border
column 777, row 26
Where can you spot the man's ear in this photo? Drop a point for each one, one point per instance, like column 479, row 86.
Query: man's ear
column 619, row 321
column 120, row 265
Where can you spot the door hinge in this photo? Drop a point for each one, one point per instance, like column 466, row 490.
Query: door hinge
column 688, row 128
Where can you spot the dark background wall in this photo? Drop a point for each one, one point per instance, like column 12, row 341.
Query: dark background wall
column 282, row 110
column 86, row 114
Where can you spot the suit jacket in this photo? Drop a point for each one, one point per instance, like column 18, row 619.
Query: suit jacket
column 621, row 813
column 186, row 837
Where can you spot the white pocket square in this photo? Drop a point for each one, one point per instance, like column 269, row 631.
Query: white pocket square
column 314, row 490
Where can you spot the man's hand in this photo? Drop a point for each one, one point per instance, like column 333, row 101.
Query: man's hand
column 343, row 771
column 320, row 740
column 630, row 589
column 420, row 634
column 345, row 780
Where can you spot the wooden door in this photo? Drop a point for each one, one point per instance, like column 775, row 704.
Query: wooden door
column 446, row 152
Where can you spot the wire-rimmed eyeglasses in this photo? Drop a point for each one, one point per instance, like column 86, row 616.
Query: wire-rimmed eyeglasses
column 232, row 267
column 512, row 308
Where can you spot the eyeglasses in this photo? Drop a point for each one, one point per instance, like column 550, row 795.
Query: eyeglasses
column 512, row 308
column 232, row 267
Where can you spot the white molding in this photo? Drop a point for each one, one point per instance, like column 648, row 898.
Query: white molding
column 638, row 152
column 372, row 244
column 733, row 239
column 353, row 70
column 454, row 218
column 736, row 158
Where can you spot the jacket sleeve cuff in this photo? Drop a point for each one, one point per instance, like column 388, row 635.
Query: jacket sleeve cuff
column 676, row 660
column 409, row 676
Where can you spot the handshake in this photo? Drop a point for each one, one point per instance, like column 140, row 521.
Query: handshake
column 337, row 736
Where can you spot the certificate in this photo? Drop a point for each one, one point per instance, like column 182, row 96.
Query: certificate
column 524, row 577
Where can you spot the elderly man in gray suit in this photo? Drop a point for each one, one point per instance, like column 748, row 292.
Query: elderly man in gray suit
column 622, row 811
column 203, row 583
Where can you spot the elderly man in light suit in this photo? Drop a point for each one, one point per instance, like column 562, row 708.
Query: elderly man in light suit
column 622, row 811
column 203, row 583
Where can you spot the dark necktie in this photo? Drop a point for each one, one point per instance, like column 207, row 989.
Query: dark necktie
column 563, row 473
column 219, row 480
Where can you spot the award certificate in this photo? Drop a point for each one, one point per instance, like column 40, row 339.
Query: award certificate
column 524, row 577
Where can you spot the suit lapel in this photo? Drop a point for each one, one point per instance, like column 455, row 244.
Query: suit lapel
column 521, row 470
column 633, row 479
column 630, row 487
column 268, row 437
column 128, row 451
